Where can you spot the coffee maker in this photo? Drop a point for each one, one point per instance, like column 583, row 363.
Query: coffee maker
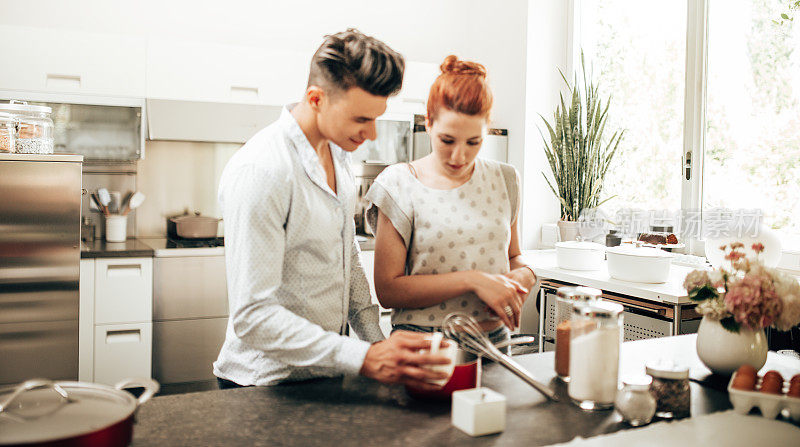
column 365, row 173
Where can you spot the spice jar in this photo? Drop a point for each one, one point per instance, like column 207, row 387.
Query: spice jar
column 595, row 338
column 8, row 131
column 34, row 127
column 670, row 388
column 566, row 297
column 634, row 402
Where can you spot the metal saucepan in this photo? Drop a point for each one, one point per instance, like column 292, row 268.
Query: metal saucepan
column 41, row 412
column 195, row 226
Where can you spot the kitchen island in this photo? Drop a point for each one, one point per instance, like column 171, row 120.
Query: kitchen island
column 357, row 411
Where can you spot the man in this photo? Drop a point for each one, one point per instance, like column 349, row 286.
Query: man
column 294, row 276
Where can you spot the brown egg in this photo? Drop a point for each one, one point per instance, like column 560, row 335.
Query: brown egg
column 771, row 385
column 744, row 381
column 747, row 369
column 794, row 386
column 773, row 373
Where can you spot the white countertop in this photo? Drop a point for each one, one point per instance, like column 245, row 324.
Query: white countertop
column 670, row 292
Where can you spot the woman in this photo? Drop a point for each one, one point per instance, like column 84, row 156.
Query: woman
column 446, row 224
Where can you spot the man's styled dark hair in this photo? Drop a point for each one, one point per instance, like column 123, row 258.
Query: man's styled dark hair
column 352, row 59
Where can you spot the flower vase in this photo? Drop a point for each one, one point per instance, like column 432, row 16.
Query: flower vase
column 568, row 230
column 723, row 351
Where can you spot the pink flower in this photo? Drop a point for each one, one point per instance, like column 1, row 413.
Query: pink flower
column 758, row 247
column 752, row 300
column 734, row 256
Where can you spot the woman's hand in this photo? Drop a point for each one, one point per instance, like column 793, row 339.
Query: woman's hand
column 524, row 276
column 500, row 293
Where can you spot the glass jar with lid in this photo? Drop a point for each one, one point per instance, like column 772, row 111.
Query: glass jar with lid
column 595, row 339
column 8, row 132
column 34, row 127
column 670, row 387
column 634, row 402
column 566, row 297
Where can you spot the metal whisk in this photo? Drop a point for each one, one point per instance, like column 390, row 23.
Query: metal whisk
column 466, row 331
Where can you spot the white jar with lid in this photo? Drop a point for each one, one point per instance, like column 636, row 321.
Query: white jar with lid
column 634, row 402
column 595, row 339
column 34, row 127
column 566, row 297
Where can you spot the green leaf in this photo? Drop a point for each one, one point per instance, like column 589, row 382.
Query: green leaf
column 730, row 324
column 702, row 293
column 784, row 16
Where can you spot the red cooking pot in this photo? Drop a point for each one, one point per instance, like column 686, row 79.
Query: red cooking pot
column 41, row 412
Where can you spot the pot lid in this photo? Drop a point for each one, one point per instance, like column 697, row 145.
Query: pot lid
column 196, row 218
column 644, row 252
column 580, row 245
column 14, row 106
column 40, row 410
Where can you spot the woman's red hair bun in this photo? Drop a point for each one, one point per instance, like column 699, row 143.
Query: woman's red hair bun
column 462, row 88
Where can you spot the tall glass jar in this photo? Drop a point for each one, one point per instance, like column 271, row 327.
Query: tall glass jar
column 34, row 127
column 595, row 338
column 8, row 132
column 566, row 297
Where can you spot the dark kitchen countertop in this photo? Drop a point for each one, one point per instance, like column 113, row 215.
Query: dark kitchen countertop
column 131, row 248
column 357, row 411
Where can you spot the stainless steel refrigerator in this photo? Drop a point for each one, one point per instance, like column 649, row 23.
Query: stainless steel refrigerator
column 40, row 206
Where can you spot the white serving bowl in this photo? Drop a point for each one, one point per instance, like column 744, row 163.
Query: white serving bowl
column 574, row 255
column 638, row 264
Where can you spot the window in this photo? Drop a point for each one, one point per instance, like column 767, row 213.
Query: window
column 640, row 65
column 750, row 103
column 752, row 148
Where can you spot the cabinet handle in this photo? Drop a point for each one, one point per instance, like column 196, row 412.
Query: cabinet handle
column 63, row 80
column 244, row 91
column 124, row 270
column 124, row 336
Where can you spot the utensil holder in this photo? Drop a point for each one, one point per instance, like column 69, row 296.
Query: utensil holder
column 116, row 228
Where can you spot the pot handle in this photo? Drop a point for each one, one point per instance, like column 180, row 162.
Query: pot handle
column 31, row 385
column 150, row 386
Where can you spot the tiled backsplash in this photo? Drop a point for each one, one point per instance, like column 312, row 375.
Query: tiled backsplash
column 177, row 175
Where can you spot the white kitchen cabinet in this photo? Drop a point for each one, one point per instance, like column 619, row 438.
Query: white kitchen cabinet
column 72, row 62
column 123, row 290
column 196, row 71
column 122, row 351
column 115, row 324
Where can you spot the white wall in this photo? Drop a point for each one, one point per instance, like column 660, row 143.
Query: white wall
column 547, row 51
column 493, row 33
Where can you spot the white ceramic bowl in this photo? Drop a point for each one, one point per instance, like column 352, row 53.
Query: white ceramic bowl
column 574, row 255
column 639, row 264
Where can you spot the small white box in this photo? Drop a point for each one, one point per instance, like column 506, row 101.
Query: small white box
column 479, row 411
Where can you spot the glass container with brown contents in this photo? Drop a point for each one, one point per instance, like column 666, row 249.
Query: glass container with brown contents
column 565, row 298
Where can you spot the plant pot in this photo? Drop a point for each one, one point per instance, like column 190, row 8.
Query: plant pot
column 723, row 352
column 568, row 230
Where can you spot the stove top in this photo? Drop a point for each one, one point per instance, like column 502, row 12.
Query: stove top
column 195, row 243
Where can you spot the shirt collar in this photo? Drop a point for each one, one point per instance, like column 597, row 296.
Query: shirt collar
column 307, row 154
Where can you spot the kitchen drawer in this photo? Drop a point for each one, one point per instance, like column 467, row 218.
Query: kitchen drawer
column 123, row 290
column 66, row 61
column 189, row 287
column 122, row 351
column 184, row 350
column 49, row 349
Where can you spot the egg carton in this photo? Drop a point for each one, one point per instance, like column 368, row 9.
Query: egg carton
column 770, row 405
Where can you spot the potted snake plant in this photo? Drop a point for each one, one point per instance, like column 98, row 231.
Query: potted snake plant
column 577, row 155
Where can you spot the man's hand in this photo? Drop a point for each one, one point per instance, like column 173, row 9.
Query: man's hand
column 397, row 360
